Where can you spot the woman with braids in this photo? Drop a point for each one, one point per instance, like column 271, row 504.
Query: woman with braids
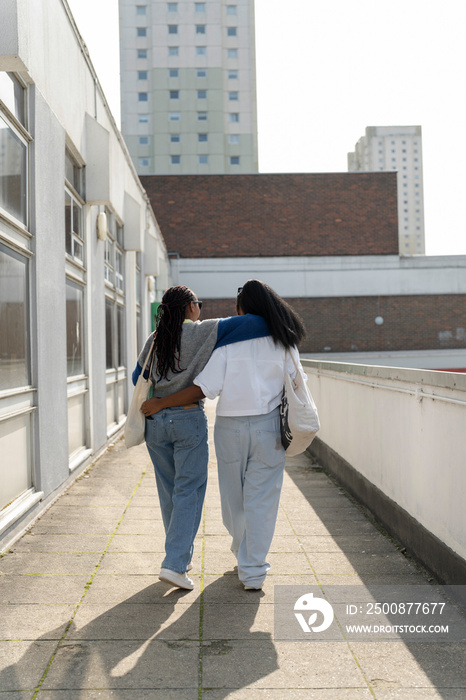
column 248, row 377
column 176, row 437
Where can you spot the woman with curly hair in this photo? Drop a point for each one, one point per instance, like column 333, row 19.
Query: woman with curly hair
column 248, row 379
column 176, row 437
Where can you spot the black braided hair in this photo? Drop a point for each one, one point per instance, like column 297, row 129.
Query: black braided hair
column 167, row 334
column 286, row 327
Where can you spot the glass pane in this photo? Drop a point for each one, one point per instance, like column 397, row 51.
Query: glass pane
column 77, row 219
column 76, row 431
column 12, row 95
column 121, row 393
column 74, row 330
column 138, row 286
column 69, row 169
column 121, row 335
column 12, row 172
column 78, row 249
column 109, row 334
column 68, row 226
column 15, row 465
column 14, row 361
column 119, row 271
column 110, row 404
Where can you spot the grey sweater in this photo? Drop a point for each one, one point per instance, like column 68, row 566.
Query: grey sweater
column 198, row 340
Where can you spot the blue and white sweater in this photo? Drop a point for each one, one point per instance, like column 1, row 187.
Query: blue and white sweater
column 198, row 341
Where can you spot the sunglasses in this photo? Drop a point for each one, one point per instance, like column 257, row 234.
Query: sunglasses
column 240, row 289
column 196, row 301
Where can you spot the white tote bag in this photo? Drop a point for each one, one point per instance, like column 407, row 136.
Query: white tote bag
column 136, row 420
column 299, row 420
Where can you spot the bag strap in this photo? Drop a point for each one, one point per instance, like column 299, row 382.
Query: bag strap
column 294, row 361
column 149, row 358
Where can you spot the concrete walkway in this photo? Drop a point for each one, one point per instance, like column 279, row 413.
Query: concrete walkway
column 83, row 615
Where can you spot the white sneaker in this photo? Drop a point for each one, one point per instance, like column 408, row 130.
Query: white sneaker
column 176, row 579
column 252, row 588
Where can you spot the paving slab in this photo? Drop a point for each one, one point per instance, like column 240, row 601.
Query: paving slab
column 49, row 563
column 289, row 694
column 117, row 694
column 136, row 621
column 58, row 543
column 22, row 664
column 126, row 664
column 35, row 590
column 140, row 589
column 282, row 665
column 31, row 622
column 84, row 583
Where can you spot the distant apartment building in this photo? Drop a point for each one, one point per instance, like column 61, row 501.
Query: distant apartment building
column 188, row 86
column 397, row 148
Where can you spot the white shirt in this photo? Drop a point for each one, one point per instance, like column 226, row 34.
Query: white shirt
column 248, row 376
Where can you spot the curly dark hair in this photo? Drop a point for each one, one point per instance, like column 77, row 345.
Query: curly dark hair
column 285, row 326
column 167, row 334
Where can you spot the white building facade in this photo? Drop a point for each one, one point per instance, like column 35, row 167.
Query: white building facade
column 188, row 86
column 81, row 261
column 397, row 148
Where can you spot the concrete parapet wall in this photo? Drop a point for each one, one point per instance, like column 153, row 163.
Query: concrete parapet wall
column 395, row 437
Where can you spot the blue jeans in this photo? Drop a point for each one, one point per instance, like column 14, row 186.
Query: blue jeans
column 251, row 461
column 177, row 441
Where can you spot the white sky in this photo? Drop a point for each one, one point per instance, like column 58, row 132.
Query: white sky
column 326, row 69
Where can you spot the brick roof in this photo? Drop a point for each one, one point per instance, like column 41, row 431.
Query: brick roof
column 276, row 214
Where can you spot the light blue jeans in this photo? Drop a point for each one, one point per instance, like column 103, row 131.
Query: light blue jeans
column 251, row 461
column 178, row 446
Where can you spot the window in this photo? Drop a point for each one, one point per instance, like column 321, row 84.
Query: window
column 74, row 329
column 143, row 118
column 173, row 73
column 74, row 235
column 233, row 117
column 142, row 53
column 200, row 28
column 74, row 174
column 233, row 96
column 174, row 138
column 175, row 160
column 143, row 162
column 234, row 160
column 174, row 116
column 233, row 139
column 141, row 9
column 202, row 116
column 173, row 29
column 14, row 314
column 172, row 6
column 143, row 97
column 232, row 31
column 203, row 160
column 143, row 140
column 13, row 95
column 232, row 53
column 231, row 9
column 173, row 50
column 201, row 73
column 201, row 51
column 199, row 6
column 141, row 31
column 142, row 75
column 174, row 94
column 14, row 148
column 202, row 137
column 232, row 75
column 202, row 94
